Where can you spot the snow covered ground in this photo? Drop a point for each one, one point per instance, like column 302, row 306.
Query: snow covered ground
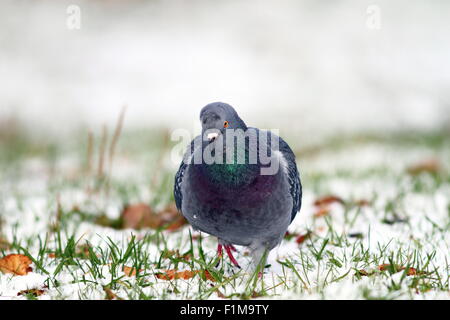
column 379, row 215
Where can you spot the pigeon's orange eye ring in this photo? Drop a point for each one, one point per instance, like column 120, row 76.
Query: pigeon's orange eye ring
column 225, row 124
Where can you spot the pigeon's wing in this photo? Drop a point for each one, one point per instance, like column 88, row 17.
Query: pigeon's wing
column 177, row 186
column 293, row 177
column 295, row 186
column 180, row 174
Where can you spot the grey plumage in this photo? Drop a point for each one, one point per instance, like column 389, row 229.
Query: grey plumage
column 235, row 202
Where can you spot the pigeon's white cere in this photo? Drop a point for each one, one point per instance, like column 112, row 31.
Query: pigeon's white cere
column 212, row 136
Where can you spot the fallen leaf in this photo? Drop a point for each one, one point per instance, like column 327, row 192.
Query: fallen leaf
column 326, row 200
column 429, row 166
column 141, row 215
column 83, row 251
column 33, row 292
column 363, row 272
column 138, row 216
column 362, row 203
column 110, row 295
column 410, row 272
column 18, row 264
column 301, row 238
column 288, row 235
column 220, row 294
column 131, row 272
column 174, row 274
column 208, row 276
column 384, row 267
column 322, row 211
column 257, row 294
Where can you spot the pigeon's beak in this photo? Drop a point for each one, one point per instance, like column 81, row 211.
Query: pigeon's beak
column 212, row 136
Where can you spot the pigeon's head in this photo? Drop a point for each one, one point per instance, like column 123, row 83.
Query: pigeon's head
column 217, row 117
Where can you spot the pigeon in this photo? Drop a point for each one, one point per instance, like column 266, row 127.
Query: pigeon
column 222, row 190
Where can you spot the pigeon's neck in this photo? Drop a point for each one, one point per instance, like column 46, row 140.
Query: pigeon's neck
column 231, row 174
column 232, row 168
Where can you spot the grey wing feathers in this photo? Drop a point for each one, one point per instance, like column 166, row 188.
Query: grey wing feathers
column 295, row 185
column 180, row 173
column 177, row 187
column 293, row 177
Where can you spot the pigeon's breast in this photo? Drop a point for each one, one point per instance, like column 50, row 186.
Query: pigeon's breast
column 257, row 205
column 224, row 186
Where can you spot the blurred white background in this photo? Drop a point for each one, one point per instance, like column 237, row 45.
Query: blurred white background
column 317, row 67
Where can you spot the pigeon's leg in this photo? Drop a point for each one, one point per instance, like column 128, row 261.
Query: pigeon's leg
column 219, row 253
column 228, row 249
column 259, row 254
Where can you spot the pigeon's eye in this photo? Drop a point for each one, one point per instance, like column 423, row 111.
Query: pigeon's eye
column 225, row 124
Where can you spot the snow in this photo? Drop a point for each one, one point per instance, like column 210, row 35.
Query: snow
column 28, row 217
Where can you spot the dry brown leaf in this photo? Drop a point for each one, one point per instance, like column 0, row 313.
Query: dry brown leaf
column 34, row 292
column 322, row 211
column 220, row 294
column 301, row 238
column 18, row 264
column 130, row 272
column 142, row 216
column 410, row 272
column 363, row 272
column 186, row 274
column 326, row 200
column 83, row 250
column 362, row 203
column 174, row 274
column 139, row 216
column 429, row 165
column 384, row 267
column 256, row 294
column 208, row 276
column 109, row 294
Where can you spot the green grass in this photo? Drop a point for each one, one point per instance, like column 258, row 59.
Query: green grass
column 79, row 249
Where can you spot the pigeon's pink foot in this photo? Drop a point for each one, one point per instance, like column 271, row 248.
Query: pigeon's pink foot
column 228, row 248
column 219, row 251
